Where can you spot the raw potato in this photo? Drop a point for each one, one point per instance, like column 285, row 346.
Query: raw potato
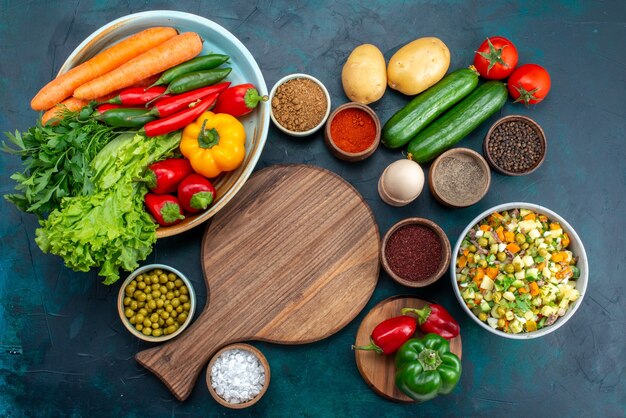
column 418, row 65
column 364, row 75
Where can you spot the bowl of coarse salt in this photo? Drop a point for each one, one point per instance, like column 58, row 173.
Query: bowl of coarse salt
column 238, row 376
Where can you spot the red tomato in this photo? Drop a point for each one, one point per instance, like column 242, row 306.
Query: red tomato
column 530, row 84
column 496, row 58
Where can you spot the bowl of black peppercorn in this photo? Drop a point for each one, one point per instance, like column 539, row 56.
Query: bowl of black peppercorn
column 515, row 145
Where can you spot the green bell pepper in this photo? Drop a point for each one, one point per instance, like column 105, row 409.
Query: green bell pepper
column 426, row 368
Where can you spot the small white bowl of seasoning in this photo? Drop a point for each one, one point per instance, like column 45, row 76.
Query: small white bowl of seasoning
column 401, row 182
column 238, row 376
column 300, row 104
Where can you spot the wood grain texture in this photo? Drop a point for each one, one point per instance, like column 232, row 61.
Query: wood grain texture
column 378, row 371
column 292, row 260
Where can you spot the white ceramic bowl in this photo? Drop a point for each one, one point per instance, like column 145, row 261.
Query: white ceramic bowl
column 121, row 307
column 245, row 70
column 576, row 246
column 291, row 77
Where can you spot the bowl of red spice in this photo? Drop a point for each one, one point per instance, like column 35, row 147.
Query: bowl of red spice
column 415, row 252
column 352, row 132
column 300, row 104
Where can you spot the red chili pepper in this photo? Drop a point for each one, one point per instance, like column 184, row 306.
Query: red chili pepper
column 165, row 176
column 389, row 335
column 165, row 208
column 170, row 105
column 195, row 193
column 137, row 96
column 181, row 119
column 434, row 318
column 104, row 107
column 239, row 100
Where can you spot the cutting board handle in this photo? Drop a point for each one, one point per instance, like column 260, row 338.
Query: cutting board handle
column 179, row 362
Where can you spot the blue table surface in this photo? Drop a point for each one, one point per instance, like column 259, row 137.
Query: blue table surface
column 63, row 350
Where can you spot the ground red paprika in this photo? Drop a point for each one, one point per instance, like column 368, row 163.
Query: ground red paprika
column 353, row 130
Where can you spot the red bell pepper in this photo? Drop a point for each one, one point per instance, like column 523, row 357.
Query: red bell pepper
column 195, row 193
column 173, row 104
column 164, row 208
column 181, row 119
column 165, row 176
column 389, row 335
column 137, row 96
column 239, row 100
column 434, row 318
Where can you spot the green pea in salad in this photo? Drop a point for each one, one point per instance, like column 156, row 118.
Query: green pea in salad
column 515, row 273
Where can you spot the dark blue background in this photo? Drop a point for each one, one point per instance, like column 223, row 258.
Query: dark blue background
column 63, row 350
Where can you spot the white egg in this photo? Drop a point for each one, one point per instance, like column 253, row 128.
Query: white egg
column 401, row 182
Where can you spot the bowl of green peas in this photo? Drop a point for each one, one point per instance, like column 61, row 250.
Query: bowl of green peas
column 156, row 303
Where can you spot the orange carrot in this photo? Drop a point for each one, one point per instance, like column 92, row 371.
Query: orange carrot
column 53, row 114
column 558, row 257
column 513, row 247
column 485, row 227
column 172, row 52
column 522, row 290
column 64, row 85
column 554, row 226
column 509, row 236
column 500, row 232
column 480, row 274
column 529, row 217
column 462, row 261
column 534, row 288
column 492, row 272
column 565, row 241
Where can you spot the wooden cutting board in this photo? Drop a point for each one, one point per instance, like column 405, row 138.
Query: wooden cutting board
column 379, row 372
column 291, row 260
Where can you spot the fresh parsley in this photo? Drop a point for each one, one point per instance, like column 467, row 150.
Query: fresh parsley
column 56, row 161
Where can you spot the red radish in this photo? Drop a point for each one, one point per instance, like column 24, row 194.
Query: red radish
column 164, row 208
column 165, row 176
column 196, row 193
column 239, row 100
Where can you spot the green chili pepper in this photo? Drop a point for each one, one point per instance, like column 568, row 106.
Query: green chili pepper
column 197, row 79
column 124, row 117
column 426, row 368
column 205, row 62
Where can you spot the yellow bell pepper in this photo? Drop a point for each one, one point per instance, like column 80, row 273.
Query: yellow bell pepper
column 214, row 143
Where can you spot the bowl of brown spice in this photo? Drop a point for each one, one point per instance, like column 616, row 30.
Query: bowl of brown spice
column 300, row 104
column 415, row 252
column 515, row 145
column 459, row 178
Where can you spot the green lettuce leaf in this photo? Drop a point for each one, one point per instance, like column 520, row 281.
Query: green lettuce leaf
column 109, row 228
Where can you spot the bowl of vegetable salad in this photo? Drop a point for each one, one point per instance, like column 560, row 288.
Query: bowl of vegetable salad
column 520, row 270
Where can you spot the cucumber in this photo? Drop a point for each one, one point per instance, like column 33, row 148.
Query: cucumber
column 425, row 107
column 458, row 122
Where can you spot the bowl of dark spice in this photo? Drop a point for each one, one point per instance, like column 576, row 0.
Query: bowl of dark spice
column 459, row 178
column 300, row 104
column 238, row 376
column 515, row 145
column 415, row 252
column 352, row 132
